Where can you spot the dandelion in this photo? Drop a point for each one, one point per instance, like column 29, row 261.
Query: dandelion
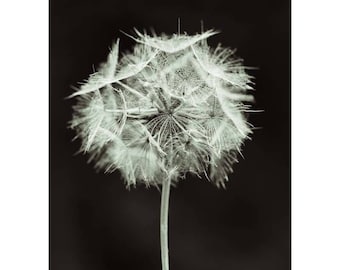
column 170, row 107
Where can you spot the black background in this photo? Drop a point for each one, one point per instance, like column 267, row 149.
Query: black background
column 95, row 223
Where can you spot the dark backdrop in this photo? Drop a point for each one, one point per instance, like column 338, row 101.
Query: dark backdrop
column 95, row 223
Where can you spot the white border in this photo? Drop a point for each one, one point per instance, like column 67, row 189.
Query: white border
column 24, row 135
column 316, row 135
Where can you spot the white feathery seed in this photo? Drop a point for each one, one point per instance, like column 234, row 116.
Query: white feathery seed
column 171, row 106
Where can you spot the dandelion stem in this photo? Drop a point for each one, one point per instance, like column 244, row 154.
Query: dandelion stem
column 164, row 223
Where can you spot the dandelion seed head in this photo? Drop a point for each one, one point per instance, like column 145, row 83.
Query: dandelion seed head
column 171, row 106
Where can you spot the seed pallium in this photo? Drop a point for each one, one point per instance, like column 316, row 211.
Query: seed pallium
column 171, row 106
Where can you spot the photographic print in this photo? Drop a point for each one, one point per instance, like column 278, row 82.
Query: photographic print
column 169, row 135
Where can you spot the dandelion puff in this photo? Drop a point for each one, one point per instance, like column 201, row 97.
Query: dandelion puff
column 171, row 106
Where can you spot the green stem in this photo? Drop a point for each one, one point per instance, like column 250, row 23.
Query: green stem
column 164, row 223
